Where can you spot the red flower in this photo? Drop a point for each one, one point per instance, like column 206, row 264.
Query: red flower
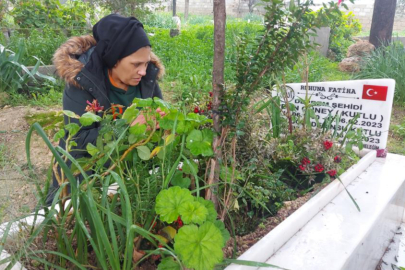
column 211, row 94
column 332, row 173
column 305, row 161
column 327, row 144
column 179, row 222
column 337, row 159
column 302, row 167
column 319, row 167
column 196, row 110
column 94, row 106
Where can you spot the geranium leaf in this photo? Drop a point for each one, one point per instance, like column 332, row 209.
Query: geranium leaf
column 89, row 118
column 143, row 152
column 91, row 149
column 168, row 202
column 130, row 113
column 70, row 114
column 72, row 128
column 193, row 212
column 137, row 129
column 200, row 248
column 212, row 213
column 168, row 263
column 199, row 142
column 188, row 165
column 142, row 102
column 179, row 181
column 221, row 226
column 59, row 135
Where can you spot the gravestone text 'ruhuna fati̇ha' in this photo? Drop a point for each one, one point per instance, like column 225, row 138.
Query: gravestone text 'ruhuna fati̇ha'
column 371, row 99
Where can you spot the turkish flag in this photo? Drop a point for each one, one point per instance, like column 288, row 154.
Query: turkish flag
column 375, row 92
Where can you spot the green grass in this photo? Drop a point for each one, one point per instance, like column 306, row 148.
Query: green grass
column 386, row 62
column 320, row 69
column 3, row 155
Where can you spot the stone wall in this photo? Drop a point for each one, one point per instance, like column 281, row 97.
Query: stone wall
column 363, row 10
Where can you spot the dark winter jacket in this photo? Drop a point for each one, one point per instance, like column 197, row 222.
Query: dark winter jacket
column 83, row 85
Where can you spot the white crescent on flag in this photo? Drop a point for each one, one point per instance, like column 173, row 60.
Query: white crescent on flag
column 368, row 92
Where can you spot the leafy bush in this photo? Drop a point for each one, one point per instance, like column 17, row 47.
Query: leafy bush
column 14, row 75
column 39, row 14
column 157, row 212
column 191, row 53
column 41, row 43
column 386, row 62
column 343, row 27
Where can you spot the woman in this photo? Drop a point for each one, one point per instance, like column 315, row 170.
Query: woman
column 113, row 66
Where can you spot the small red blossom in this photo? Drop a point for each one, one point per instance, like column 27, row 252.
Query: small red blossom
column 305, row 161
column 327, row 144
column 332, row 173
column 211, row 94
column 319, row 167
column 179, row 222
column 301, row 167
column 94, row 106
column 196, row 110
column 180, row 169
column 382, row 153
column 337, row 159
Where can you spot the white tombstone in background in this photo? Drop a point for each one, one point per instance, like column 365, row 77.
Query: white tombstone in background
column 372, row 99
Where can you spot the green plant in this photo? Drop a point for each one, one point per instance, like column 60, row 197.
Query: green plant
column 386, row 62
column 14, row 75
column 132, row 152
column 137, row 8
column 39, row 14
column 343, row 27
column 40, row 43
column 399, row 130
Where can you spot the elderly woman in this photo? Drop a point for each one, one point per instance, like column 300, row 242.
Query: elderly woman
column 113, row 66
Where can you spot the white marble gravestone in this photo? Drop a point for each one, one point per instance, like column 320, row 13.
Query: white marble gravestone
column 372, row 99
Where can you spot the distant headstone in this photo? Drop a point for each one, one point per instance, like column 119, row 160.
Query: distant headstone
column 371, row 99
column 322, row 39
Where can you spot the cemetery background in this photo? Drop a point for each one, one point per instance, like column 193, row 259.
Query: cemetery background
column 192, row 86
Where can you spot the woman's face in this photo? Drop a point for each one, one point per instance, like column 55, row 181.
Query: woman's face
column 129, row 70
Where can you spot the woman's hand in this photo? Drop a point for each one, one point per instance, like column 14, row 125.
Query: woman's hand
column 142, row 120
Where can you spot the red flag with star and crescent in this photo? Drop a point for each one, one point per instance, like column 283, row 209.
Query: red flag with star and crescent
column 375, row 92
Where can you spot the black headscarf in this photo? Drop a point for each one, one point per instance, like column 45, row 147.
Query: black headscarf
column 117, row 37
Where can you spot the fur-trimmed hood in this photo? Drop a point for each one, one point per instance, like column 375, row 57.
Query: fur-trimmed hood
column 66, row 58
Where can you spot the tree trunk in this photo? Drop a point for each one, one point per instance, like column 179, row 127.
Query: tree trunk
column 174, row 8
column 383, row 22
column 186, row 6
column 218, row 87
